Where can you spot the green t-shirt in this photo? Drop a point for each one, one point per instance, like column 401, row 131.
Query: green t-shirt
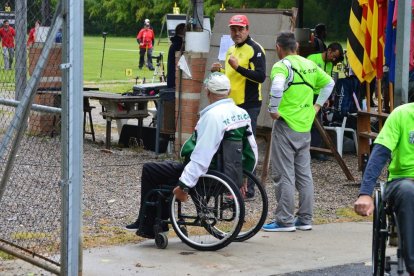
column 296, row 106
column 317, row 58
column 327, row 67
column 398, row 136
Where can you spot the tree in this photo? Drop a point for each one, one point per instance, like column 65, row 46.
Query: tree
column 126, row 17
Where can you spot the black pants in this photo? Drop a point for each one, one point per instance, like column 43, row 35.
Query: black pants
column 142, row 57
column 400, row 194
column 153, row 175
column 316, row 138
column 253, row 114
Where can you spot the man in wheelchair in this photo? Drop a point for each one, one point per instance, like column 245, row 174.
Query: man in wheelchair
column 219, row 121
column 395, row 142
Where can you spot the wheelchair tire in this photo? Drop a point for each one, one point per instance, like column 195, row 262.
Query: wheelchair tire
column 161, row 240
column 379, row 236
column 212, row 216
column 253, row 221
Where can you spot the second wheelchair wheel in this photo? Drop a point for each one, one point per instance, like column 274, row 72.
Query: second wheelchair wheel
column 379, row 236
column 255, row 210
column 212, row 216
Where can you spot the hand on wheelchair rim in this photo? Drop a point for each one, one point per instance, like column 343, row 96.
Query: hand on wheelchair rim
column 364, row 205
column 180, row 194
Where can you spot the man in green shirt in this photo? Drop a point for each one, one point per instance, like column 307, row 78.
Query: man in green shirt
column 395, row 142
column 294, row 80
column 325, row 60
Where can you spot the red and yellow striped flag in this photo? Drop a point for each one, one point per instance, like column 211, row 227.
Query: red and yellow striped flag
column 382, row 24
column 365, row 45
column 374, row 37
column 356, row 40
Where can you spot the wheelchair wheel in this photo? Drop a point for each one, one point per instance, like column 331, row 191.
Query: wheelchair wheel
column 255, row 211
column 212, row 216
column 161, row 240
column 379, row 236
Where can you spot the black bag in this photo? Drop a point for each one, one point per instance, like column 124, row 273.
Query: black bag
column 229, row 160
column 344, row 102
column 132, row 135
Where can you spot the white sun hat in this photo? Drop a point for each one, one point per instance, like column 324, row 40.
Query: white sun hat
column 218, row 83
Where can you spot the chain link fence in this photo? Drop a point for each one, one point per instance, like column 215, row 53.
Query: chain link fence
column 30, row 138
column 38, row 166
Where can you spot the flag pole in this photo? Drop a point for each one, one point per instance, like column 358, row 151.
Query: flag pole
column 391, row 94
column 379, row 91
column 368, row 96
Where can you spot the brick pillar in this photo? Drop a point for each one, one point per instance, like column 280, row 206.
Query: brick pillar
column 41, row 123
column 52, row 75
column 190, row 96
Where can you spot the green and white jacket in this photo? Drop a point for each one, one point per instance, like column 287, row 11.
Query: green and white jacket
column 215, row 120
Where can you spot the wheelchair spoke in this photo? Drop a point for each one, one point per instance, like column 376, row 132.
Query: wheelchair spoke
column 255, row 210
column 216, row 223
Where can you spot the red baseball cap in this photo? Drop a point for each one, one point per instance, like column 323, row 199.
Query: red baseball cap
column 239, row 20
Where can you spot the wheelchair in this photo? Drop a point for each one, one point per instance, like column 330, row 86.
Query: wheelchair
column 385, row 228
column 215, row 213
column 209, row 220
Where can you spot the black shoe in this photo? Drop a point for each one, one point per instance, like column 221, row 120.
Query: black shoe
column 150, row 234
column 146, row 232
column 151, row 68
column 145, row 235
column 133, row 226
column 140, row 67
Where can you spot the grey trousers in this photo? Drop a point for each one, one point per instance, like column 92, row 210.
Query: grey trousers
column 290, row 159
column 8, row 55
column 400, row 194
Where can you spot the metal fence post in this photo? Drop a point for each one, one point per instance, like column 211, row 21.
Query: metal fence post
column 21, row 52
column 72, row 139
column 402, row 53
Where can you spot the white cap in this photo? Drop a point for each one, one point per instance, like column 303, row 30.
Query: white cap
column 146, row 21
column 218, row 83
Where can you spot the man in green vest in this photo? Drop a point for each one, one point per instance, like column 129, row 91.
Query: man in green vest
column 294, row 80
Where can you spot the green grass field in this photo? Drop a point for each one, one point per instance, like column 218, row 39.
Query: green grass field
column 121, row 53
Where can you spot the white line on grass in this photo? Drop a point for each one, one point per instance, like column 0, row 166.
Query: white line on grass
column 127, row 50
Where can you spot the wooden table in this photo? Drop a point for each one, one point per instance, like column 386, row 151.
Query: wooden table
column 116, row 106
